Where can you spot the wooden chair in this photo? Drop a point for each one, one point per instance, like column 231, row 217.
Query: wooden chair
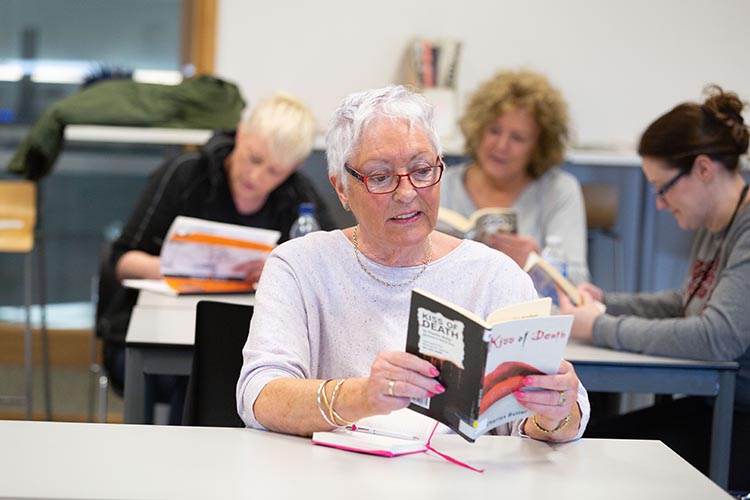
column 601, row 201
column 18, row 219
column 220, row 333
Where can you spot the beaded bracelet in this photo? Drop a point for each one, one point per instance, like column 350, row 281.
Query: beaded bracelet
column 556, row 429
column 331, row 412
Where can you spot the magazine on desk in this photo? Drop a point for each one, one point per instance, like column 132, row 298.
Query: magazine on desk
column 483, row 361
column 202, row 257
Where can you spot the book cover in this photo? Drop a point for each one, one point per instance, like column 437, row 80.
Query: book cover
column 200, row 256
column 482, row 362
column 548, row 281
column 481, row 225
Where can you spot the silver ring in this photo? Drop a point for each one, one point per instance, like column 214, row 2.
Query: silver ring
column 563, row 399
column 391, row 383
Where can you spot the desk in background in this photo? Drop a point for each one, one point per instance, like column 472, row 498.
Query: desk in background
column 67, row 460
column 136, row 135
column 159, row 341
column 607, row 370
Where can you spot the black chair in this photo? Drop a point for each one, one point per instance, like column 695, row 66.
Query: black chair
column 220, row 333
column 104, row 286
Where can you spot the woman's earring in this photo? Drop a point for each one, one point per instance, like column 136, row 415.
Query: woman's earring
column 347, row 207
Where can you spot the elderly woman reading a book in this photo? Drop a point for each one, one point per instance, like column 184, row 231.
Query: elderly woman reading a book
column 691, row 157
column 326, row 342
column 516, row 127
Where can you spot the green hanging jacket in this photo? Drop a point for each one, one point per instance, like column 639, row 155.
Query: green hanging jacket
column 201, row 102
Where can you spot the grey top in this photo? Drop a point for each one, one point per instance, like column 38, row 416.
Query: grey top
column 716, row 324
column 319, row 316
column 550, row 205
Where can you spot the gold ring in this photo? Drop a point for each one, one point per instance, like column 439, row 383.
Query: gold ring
column 563, row 399
column 391, row 383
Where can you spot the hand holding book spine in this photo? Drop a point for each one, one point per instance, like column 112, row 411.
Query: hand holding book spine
column 483, row 362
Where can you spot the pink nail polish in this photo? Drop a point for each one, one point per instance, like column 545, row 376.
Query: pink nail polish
column 528, row 381
column 519, row 394
column 439, row 389
column 430, row 394
column 434, row 372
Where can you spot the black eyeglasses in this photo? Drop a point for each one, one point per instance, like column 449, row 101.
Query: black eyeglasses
column 669, row 185
column 422, row 176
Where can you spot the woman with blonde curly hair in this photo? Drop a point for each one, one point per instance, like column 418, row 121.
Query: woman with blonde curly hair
column 516, row 129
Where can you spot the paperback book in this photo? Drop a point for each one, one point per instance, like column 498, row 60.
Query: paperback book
column 548, row 281
column 483, row 361
column 201, row 256
column 481, row 225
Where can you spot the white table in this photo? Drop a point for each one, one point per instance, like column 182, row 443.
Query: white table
column 69, row 460
column 160, row 341
column 608, row 370
column 136, row 135
column 161, row 335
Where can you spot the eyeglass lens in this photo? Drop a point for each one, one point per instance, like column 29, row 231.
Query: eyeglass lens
column 422, row 177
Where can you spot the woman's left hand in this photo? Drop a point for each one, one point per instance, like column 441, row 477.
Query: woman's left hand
column 251, row 270
column 556, row 399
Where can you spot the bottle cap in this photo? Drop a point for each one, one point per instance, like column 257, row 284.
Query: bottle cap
column 306, row 208
column 553, row 240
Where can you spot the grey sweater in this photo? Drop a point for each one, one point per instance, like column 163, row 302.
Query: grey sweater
column 318, row 315
column 716, row 322
column 550, row 205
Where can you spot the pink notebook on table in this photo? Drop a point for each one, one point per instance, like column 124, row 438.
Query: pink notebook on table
column 401, row 433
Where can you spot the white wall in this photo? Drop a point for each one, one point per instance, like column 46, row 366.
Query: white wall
column 619, row 63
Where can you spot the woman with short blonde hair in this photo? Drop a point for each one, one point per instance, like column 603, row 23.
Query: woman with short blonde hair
column 288, row 126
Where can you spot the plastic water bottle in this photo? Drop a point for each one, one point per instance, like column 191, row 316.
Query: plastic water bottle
column 554, row 254
column 306, row 222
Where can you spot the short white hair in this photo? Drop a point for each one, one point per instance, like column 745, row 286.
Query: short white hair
column 358, row 110
column 288, row 126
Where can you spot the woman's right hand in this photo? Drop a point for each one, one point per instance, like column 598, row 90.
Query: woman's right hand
column 596, row 293
column 397, row 376
column 137, row 264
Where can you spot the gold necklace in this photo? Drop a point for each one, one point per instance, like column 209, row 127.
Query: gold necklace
column 409, row 282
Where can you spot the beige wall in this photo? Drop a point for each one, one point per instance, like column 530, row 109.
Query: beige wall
column 619, row 63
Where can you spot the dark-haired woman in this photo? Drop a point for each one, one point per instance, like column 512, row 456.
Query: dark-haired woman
column 691, row 157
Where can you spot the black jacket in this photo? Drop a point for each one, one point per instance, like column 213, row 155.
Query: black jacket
column 200, row 102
